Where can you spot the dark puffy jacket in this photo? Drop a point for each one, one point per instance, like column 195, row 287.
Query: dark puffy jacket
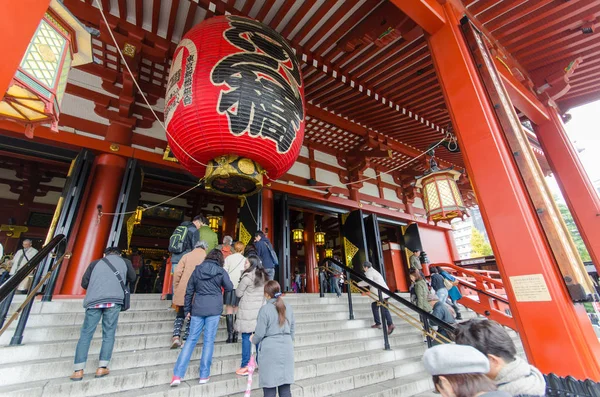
column 262, row 249
column 437, row 282
column 203, row 296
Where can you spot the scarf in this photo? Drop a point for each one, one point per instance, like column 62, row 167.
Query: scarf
column 519, row 378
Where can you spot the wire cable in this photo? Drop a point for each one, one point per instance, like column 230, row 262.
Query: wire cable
column 139, row 88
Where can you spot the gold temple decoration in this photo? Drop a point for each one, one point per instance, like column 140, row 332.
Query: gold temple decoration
column 234, row 176
column 298, row 235
column 168, row 155
column 245, row 236
column 350, row 250
column 213, row 222
column 134, row 219
column 13, row 231
column 320, row 238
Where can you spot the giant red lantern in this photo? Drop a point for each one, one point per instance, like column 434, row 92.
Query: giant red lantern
column 235, row 101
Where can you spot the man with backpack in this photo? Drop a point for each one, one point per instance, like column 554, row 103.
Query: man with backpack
column 104, row 282
column 267, row 254
column 184, row 239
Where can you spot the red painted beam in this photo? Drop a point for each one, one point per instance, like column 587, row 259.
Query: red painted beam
column 521, row 97
column 428, row 14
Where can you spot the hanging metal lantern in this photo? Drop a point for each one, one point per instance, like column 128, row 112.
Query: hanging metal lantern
column 328, row 252
column 298, row 235
column 213, row 222
column 37, row 88
column 441, row 196
column 320, row 238
column 235, row 101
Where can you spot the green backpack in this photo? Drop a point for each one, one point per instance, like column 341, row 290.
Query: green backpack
column 177, row 239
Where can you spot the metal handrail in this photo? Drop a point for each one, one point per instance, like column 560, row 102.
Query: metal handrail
column 426, row 317
column 12, row 283
column 7, row 290
column 477, row 277
column 416, row 323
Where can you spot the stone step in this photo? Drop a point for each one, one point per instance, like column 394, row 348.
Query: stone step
column 154, row 301
column 28, row 355
column 132, row 316
column 229, row 354
column 402, row 386
column 46, row 350
column 366, row 365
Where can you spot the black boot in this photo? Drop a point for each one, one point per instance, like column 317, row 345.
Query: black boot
column 229, row 320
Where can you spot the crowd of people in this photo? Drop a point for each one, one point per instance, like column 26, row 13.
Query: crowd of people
column 208, row 277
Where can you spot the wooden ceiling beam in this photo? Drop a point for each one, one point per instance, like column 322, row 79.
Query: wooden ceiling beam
column 247, row 7
column 139, row 13
column 297, row 17
column 155, row 15
column 515, row 14
column 264, row 10
column 172, row 18
column 356, row 129
column 189, row 19
column 123, row 9
column 428, row 14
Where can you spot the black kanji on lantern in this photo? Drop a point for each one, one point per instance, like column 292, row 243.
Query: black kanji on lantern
column 264, row 84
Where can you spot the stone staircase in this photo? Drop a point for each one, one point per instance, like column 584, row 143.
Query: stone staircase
column 333, row 356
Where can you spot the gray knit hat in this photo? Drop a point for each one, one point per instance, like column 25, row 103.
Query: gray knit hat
column 455, row 359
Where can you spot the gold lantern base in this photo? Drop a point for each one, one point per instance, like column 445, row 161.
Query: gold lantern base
column 234, row 176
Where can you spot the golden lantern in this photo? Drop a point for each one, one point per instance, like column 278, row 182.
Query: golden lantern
column 298, row 235
column 37, row 88
column 441, row 196
column 213, row 222
column 328, row 252
column 320, row 238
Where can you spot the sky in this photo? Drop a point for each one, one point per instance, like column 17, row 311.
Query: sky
column 584, row 131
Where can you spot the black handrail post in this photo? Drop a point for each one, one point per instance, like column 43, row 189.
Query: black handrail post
column 321, row 292
column 384, row 324
column 427, row 330
column 5, row 307
column 350, row 308
column 49, row 291
column 24, row 316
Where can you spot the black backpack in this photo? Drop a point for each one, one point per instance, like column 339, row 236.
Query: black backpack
column 177, row 239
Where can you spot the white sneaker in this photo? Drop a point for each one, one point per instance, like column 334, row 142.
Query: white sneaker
column 204, row 381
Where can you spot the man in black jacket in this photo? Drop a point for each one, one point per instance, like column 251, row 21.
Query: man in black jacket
column 264, row 248
column 189, row 242
column 103, row 300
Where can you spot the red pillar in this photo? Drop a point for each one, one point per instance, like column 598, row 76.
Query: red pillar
column 92, row 234
column 518, row 241
column 310, row 254
column 452, row 245
column 574, row 182
column 18, row 22
column 267, row 213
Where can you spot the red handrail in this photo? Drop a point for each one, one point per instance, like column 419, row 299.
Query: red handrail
column 485, row 295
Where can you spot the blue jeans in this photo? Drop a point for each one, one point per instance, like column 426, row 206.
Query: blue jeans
column 442, row 294
column 197, row 324
column 271, row 273
column 246, row 349
column 110, row 317
column 335, row 285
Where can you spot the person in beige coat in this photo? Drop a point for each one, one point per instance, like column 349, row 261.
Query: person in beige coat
column 234, row 266
column 182, row 275
column 251, row 292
